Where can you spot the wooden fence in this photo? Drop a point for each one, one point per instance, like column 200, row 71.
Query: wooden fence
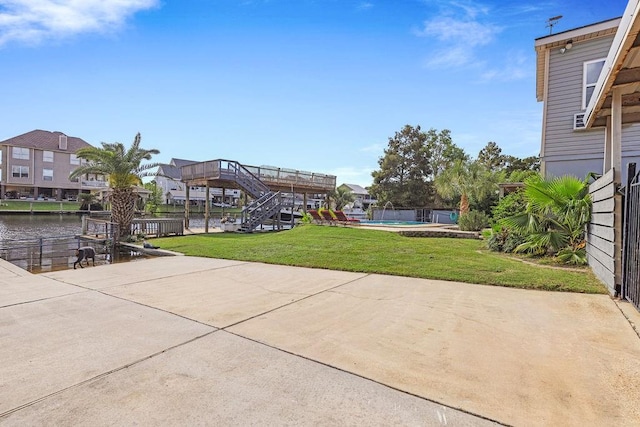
column 603, row 251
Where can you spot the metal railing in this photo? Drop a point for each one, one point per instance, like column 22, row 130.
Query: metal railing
column 44, row 253
column 269, row 175
column 631, row 239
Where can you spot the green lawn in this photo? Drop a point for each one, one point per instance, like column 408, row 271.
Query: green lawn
column 37, row 205
column 370, row 251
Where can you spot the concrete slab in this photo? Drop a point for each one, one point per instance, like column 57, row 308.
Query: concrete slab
column 56, row 343
column 222, row 379
column 9, row 270
column 22, row 289
column 106, row 276
column 516, row 356
column 225, row 296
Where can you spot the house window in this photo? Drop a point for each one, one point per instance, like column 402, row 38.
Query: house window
column 75, row 160
column 20, row 153
column 591, row 72
column 20, row 171
column 47, row 174
column 47, row 156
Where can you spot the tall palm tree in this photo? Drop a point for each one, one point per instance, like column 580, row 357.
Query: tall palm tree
column 124, row 169
column 466, row 180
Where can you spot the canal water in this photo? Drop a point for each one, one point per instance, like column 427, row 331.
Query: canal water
column 40, row 243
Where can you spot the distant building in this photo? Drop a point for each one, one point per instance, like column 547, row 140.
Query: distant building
column 362, row 198
column 168, row 179
column 37, row 164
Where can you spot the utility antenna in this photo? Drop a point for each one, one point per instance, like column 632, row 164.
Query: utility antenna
column 551, row 22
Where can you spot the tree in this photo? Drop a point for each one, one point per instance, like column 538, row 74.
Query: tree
column 442, row 151
column 155, row 198
column 467, row 180
column 491, row 157
column 411, row 162
column 124, row 170
column 340, row 197
column 513, row 164
column 404, row 170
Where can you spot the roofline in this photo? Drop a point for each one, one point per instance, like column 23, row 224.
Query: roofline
column 620, row 47
column 580, row 31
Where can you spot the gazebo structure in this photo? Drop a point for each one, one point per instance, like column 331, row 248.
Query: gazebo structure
column 265, row 185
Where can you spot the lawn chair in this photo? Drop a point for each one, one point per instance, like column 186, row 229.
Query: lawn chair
column 327, row 217
column 316, row 216
column 340, row 216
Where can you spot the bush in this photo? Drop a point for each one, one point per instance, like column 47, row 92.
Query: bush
column 473, row 221
column 510, row 205
column 504, row 240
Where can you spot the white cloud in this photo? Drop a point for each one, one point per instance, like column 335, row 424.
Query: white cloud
column 461, row 28
column 365, row 5
column 516, row 67
column 32, row 21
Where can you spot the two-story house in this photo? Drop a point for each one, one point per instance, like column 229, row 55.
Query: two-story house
column 37, row 164
column 568, row 65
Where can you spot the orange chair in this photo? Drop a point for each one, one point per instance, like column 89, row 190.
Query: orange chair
column 340, row 216
column 316, row 216
column 326, row 216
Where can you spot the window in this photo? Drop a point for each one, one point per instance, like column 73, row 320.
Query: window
column 591, row 72
column 21, row 153
column 47, row 156
column 20, row 171
column 47, row 174
column 75, row 160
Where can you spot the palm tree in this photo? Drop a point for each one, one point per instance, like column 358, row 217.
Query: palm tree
column 466, row 180
column 558, row 211
column 341, row 197
column 124, row 171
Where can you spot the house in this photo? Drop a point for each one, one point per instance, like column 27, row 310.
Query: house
column 168, row 179
column 37, row 164
column 568, row 65
column 593, row 74
column 362, row 198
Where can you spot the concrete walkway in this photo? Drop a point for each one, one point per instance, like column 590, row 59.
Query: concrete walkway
column 194, row 341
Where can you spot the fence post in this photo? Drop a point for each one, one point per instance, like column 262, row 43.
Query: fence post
column 631, row 174
column 40, row 257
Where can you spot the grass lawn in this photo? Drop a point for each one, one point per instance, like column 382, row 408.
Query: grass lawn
column 37, row 205
column 371, row 251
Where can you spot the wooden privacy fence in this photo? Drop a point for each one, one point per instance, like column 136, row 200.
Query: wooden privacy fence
column 602, row 254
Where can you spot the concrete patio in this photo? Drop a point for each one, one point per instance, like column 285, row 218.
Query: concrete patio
column 185, row 341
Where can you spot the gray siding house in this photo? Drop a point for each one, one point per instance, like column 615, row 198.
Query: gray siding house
column 568, row 65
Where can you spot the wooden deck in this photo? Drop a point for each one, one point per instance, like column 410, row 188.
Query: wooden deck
column 222, row 174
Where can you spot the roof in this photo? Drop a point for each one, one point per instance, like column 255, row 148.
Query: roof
column 558, row 40
column 621, row 71
column 181, row 162
column 45, row 140
column 356, row 189
column 169, row 171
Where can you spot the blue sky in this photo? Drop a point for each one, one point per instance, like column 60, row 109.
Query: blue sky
column 315, row 85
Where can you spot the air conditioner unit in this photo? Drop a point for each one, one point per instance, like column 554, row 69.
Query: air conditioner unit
column 578, row 121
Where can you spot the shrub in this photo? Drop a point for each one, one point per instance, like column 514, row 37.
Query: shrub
column 504, row 240
column 473, row 221
column 510, row 205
